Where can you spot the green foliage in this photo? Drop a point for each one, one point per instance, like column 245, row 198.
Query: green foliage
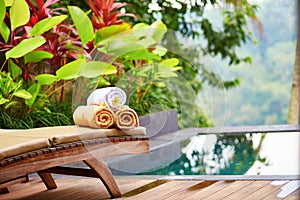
column 82, row 23
column 109, row 31
column 37, row 56
column 190, row 20
column 12, row 92
column 132, row 57
column 24, row 47
column 19, row 14
column 264, row 91
column 46, row 24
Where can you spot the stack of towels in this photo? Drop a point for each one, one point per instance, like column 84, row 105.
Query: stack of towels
column 105, row 109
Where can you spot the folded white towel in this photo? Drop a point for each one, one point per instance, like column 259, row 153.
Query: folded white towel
column 112, row 97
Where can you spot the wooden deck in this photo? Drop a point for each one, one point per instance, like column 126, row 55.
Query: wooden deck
column 246, row 188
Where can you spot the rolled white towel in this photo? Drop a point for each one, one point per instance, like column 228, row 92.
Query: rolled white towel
column 112, row 97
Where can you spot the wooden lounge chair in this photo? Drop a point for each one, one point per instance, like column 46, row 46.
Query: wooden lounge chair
column 44, row 150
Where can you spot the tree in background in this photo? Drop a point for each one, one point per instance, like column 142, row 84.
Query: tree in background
column 190, row 20
column 294, row 108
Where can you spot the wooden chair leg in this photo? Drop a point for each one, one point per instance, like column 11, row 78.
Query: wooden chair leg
column 48, row 180
column 104, row 173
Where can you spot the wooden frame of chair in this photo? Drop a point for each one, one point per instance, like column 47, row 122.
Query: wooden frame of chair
column 46, row 161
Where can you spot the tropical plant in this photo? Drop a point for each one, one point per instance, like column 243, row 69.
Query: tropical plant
column 43, row 55
column 49, row 54
column 12, row 92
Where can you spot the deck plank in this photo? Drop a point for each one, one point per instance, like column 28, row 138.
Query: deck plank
column 294, row 196
column 186, row 193
column 263, row 192
column 68, row 188
column 247, row 190
column 209, row 191
column 231, row 188
column 164, row 191
column 76, row 188
column 206, row 191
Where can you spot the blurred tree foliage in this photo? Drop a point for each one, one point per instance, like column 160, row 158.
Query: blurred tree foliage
column 188, row 19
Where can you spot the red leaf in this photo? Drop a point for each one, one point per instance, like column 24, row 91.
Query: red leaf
column 49, row 3
column 33, row 20
column 31, row 6
column 40, row 4
column 93, row 8
column 113, row 16
column 117, row 6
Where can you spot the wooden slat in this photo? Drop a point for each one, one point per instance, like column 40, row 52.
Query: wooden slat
column 144, row 188
column 61, row 157
column 231, row 188
column 75, row 189
column 165, row 190
column 263, row 192
column 127, row 186
column 294, row 196
column 273, row 195
column 91, row 188
column 206, row 188
column 14, row 181
column 247, row 190
column 210, row 190
column 284, row 190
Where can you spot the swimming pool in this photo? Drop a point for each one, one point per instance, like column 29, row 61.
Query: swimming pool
column 250, row 154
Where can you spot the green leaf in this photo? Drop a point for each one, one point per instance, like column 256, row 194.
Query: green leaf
column 140, row 26
column 46, row 24
column 4, row 31
column 24, row 47
column 82, row 23
column 37, row 56
column 96, row 68
column 3, row 100
column 34, row 90
column 140, row 29
column 157, row 30
column 14, row 70
column 160, row 50
column 22, row 94
column 146, row 42
column 70, row 70
column 10, row 104
column 121, row 47
column 142, row 55
column 8, row 2
column 166, row 74
column 2, row 10
column 46, row 79
column 171, row 62
column 109, row 31
column 19, row 14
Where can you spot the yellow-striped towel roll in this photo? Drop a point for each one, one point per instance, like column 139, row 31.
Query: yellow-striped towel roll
column 126, row 118
column 94, row 116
